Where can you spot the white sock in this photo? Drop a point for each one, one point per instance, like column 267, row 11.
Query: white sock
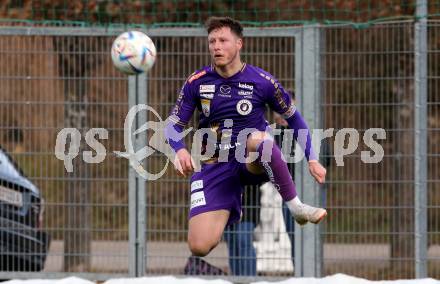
column 294, row 204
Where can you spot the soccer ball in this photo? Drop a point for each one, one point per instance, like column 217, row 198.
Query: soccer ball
column 133, row 52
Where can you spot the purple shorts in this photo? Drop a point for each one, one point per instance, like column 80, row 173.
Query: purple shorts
column 220, row 186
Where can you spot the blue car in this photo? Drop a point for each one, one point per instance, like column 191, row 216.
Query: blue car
column 23, row 244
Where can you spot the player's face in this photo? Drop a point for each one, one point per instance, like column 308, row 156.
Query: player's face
column 224, row 46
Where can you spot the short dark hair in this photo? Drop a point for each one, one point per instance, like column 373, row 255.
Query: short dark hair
column 213, row 23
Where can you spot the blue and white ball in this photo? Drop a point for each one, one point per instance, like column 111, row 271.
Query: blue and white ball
column 133, row 52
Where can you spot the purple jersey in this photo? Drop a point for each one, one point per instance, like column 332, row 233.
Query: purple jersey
column 239, row 100
column 242, row 97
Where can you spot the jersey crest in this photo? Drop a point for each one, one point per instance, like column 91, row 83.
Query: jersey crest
column 206, row 106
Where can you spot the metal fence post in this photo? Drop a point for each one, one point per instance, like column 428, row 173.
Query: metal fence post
column 141, row 141
column 308, row 252
column 137, row 220
column 420, row 143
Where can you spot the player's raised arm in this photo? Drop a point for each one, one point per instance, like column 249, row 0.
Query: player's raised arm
column 176, row 122
column 281, row 102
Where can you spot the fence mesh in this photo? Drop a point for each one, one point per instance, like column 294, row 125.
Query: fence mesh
column 433, row 150
column 195, row 12
column 53, row 82
column 50, row 83
column 369, row 82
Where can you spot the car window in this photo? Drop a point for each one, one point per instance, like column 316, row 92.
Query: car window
column 7, row 165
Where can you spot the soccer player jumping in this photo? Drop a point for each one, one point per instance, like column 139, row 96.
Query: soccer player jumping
column 231, row 98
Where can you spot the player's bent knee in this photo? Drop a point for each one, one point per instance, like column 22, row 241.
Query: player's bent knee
column 205, row 231
column 200, row 247
column 255, row 139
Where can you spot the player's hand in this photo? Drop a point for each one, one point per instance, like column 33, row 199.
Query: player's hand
column 280, row 120
column 184, row 163
column 317, row 171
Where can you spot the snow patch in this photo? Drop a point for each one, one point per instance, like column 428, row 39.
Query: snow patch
column 334, row 279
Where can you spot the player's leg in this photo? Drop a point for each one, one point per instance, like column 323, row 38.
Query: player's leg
column 271, row 162
column 215, row 202
column 205, row 231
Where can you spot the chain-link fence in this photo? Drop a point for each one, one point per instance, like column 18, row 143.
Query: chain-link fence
column 64, row 79
column 433, row 127
column 55, row 78
column 180, row 13
column 50, row 83
column 369, row 83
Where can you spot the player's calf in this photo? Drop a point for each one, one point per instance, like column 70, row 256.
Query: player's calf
column 271, row 160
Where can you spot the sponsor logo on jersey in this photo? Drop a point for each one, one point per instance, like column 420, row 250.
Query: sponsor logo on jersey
column 197, row 184
column 197, row 199
column 245, row 90
column 207, row 96
column 245, row 93
column 246, row 86
column 227, row 146
column 206, row 106
column 207, row 88
column 244, row 107
column 196, row 76
column 225, row 91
